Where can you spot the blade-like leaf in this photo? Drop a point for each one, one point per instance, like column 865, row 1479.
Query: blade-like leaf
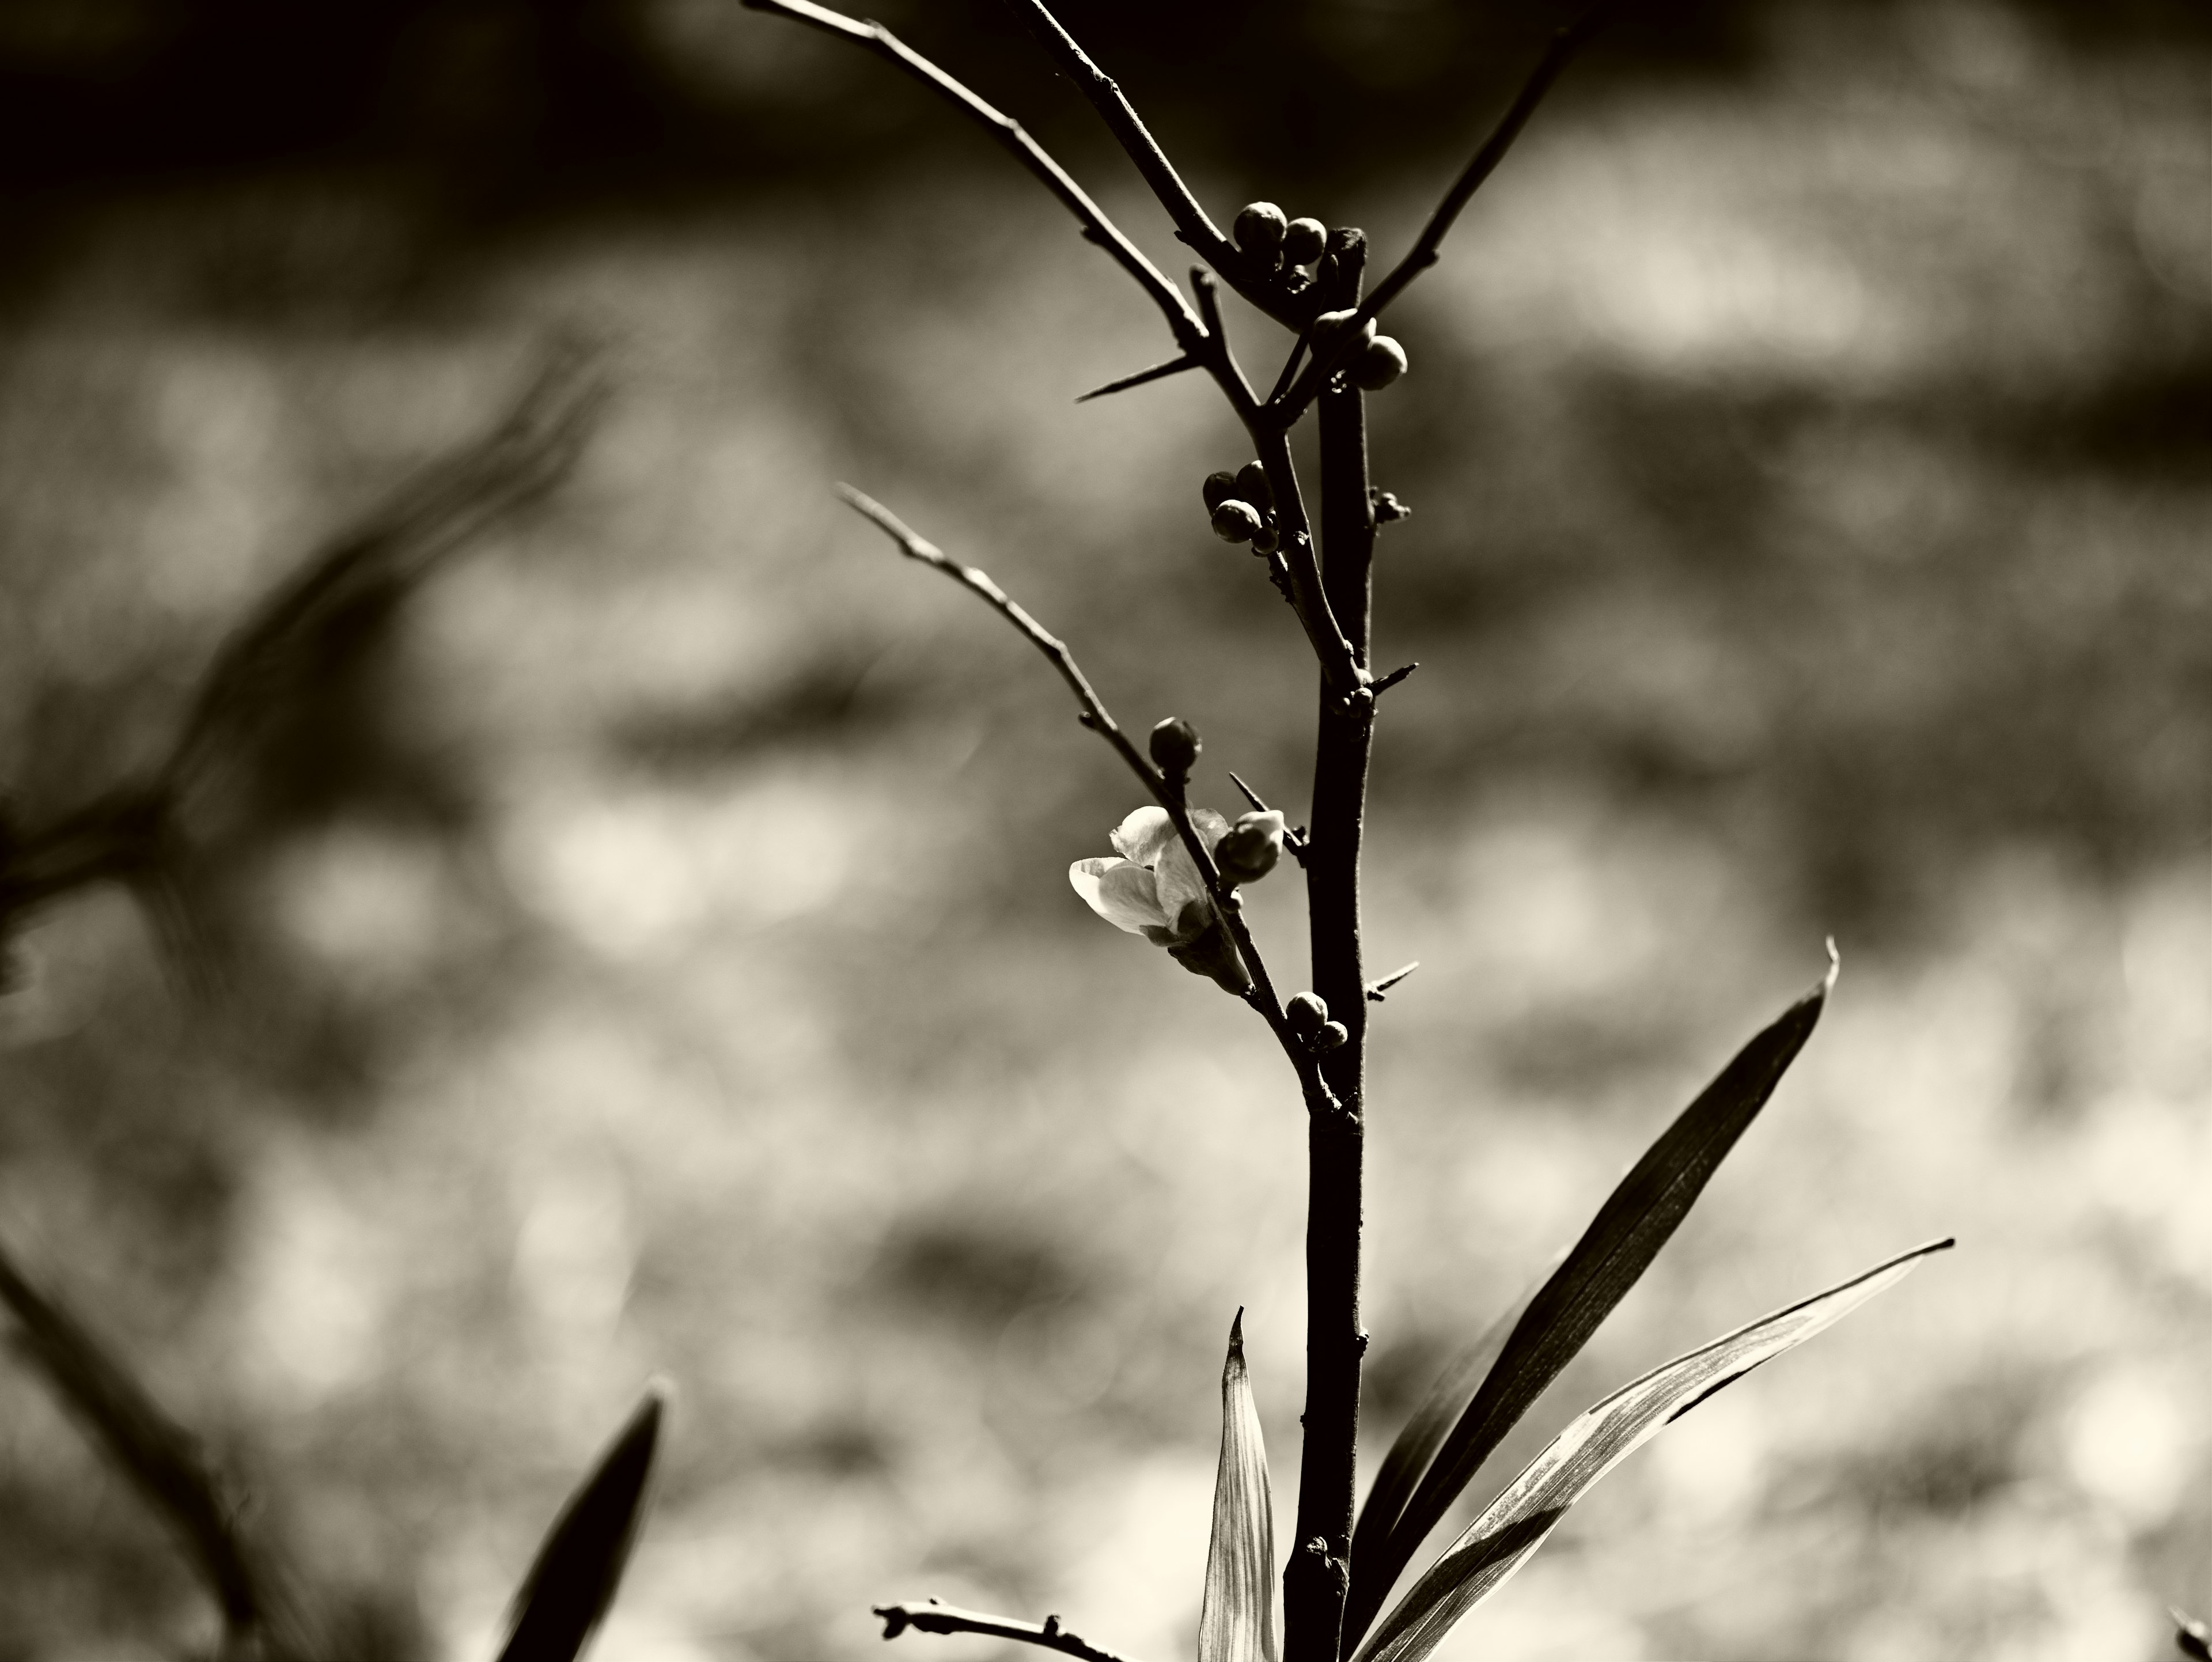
column 1515, row 1524
column 1634, row 1223
column 163, row 1460
column 1424, row 1434
column 1237, row 1621
column 571, row 1585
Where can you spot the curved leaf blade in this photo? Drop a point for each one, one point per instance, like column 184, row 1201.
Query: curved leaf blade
column 1636, row 1219
column 1516, row 1524
column 570, row 1588
column 1236, row 1620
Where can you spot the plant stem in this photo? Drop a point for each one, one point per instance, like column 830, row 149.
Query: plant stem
column 1313, row 1582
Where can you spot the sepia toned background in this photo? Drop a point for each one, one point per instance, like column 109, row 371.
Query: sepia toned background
column 650, row 952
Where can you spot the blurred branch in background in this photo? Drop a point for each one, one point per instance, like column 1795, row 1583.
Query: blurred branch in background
column 299, row 636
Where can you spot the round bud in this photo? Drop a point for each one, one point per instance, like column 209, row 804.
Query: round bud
column 1259, row 229
column 1218, row 489
column 1175, row 746
column 1237, row 522
column 1331, row 1036
column 1251, row 486
column 1247, row 851
column 1378, row 363
column 1329, row 325
column 1269, row 540
column 1305, row 1013
column 1302, row 241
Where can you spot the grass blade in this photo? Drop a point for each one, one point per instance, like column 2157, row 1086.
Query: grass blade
column 163, row 1460
column 570, row 1587
column 1516, row 1524
column 1636, row 1220
column 1237, row 1620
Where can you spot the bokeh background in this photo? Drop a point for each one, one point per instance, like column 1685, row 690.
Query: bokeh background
column 650, row 953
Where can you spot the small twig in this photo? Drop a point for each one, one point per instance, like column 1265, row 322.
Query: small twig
column 1290, row 368
column 1394, row 678
column 1157, row 372
column 1286, row 408
column 933, row 1618
column 1192, row 226
column 1379, row 989
column 160, row 1459
column 1231, row 378
column 1008, row 133
column 1095, row 716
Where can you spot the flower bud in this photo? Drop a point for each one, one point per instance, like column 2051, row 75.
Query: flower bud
column 1259, row 229
column 1268, row 540
column 1250, row 847
column 1329, row 325
column 1302, row 241
column 1218, row 488
column 1175, row 746
column 1305, row 1013
column 1237, row 522
column 1251, row 486
column 1378, row 363
column 1330, row 1036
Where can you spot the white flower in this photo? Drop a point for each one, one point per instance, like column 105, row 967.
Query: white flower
column 1153, row 888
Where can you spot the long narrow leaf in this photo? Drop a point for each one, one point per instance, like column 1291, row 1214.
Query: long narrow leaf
column 571, row 1585
column 163, row 1460
column 1516, row 1524
column 1636, row 1220
column 1424, row 1434
column 1237, row 1620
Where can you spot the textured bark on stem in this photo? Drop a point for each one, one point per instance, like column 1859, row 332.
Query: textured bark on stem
column 1313, row 1582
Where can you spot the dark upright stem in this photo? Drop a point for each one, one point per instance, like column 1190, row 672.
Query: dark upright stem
column 1314, row 1581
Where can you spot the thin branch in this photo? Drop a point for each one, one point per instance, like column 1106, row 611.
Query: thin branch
column 1192, row 226
column 1010, row 136
column 1286, row 408
column 1157, row 372
column 1379, row 989
column 933, row 1618
column 1095, row 716
column 160, row 1459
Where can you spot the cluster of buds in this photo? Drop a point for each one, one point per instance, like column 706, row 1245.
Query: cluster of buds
column 1307, row 1015
column 1242, row 505
column 1373, row 361
column 1278, row 245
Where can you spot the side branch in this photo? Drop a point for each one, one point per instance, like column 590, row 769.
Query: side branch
column 933, row 1618
column 1287, row 407
column 1008, row 134
column 1192, row 226
column 1095, row 716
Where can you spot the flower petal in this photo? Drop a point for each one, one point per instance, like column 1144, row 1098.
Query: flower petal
column 1210, row 826
column 1122, row 893
column 1180, row 884
column 1142, row 835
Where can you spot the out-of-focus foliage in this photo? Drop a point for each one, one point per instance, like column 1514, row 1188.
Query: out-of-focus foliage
column 662, row 961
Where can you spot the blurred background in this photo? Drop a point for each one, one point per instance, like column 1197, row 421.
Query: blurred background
column 648, row 949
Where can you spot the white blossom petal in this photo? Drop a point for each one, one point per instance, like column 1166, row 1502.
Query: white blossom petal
column 1142, row 835
column 1122, row 892
column 1179, row 885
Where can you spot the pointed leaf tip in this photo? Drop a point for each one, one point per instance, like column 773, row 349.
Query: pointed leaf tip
column 1237, row 1617
column 1517, row 1522
column 572, row 1585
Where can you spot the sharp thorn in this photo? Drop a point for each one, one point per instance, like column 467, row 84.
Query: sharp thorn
column 1157, row 372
